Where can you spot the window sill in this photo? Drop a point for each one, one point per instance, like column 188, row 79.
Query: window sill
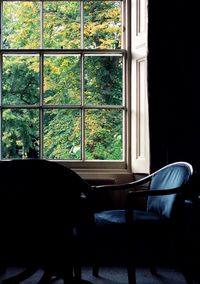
column 105, row 176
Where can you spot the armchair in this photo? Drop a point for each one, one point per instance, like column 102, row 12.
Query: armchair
column 150, row 236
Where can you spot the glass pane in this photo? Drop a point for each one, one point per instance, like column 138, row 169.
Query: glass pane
column 103, row 132
column 20, row 79
column 102, row 24
column 62, row 80
column 62, row 134
column 20, row 133
column 103, row 80
column 62, row 24
column 21, row 24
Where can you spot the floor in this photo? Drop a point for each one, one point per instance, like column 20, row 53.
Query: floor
column 113, row 275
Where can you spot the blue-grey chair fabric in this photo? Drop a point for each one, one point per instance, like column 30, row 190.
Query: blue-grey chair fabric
column 117, row 217
column 171, row 176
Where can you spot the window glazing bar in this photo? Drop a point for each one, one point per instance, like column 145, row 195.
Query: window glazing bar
column 41, row 25
column 82, row 111
column 82, row 24
column 1, row 24
column 62, row 107
column 41, row 105
column 65, row 51
column 73, row 0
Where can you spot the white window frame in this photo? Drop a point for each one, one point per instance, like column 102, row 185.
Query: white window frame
column 140, row 162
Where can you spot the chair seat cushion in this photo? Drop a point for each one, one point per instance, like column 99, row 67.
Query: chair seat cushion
column 146, row 225
column 117, row 217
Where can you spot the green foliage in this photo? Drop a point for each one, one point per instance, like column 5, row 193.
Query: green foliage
column 102, row 78
column 62, row 134
column 21, row 24
column 104, row 135
column 20, row 80
column 20, row 133
column 102, row 24
column 62, row 80
column 62, row 25
column 103, row 84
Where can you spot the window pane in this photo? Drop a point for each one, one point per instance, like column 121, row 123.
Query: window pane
column 62, row 80
column 20, row 80
column 62, row 24
column 104, row 139
column 21, row 24
column 62, row 136
column 103, row 80
column 20, row 133
column 102, row 24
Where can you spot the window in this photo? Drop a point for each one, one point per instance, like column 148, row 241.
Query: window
column 65, row 90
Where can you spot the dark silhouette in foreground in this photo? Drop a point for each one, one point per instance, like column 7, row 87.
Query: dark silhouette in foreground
column 41, row 209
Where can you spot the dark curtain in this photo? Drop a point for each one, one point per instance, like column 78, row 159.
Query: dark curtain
column 173, row 82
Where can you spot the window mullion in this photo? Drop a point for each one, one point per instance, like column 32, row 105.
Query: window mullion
column 1, row 71
column 82, row 110
column 82, row 24
column 41, row 25
column 123, row 27
column 82, row 84
column 41, row 111
column 1, row 24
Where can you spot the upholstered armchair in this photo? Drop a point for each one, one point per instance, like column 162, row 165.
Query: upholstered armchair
column 147, row 237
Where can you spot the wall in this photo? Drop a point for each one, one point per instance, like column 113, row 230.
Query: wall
column 173, row 68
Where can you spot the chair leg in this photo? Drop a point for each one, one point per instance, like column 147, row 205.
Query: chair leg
column 131, row 274
column 46, row 278
column 95, row 270
column 2, row 269
column 188, row 278
column 153, row 270
column 95, row 262
column 68, row 275
column 77, row 271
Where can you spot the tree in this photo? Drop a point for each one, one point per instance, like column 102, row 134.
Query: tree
column 62, row 81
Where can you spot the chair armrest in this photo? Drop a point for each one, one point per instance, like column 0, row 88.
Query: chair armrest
column 123, row 186
column 97, row 192
column 153, row 192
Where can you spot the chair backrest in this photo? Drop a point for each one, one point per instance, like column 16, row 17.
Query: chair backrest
column 174, row 175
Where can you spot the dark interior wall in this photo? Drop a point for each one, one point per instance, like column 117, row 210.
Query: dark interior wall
column 173, row 82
